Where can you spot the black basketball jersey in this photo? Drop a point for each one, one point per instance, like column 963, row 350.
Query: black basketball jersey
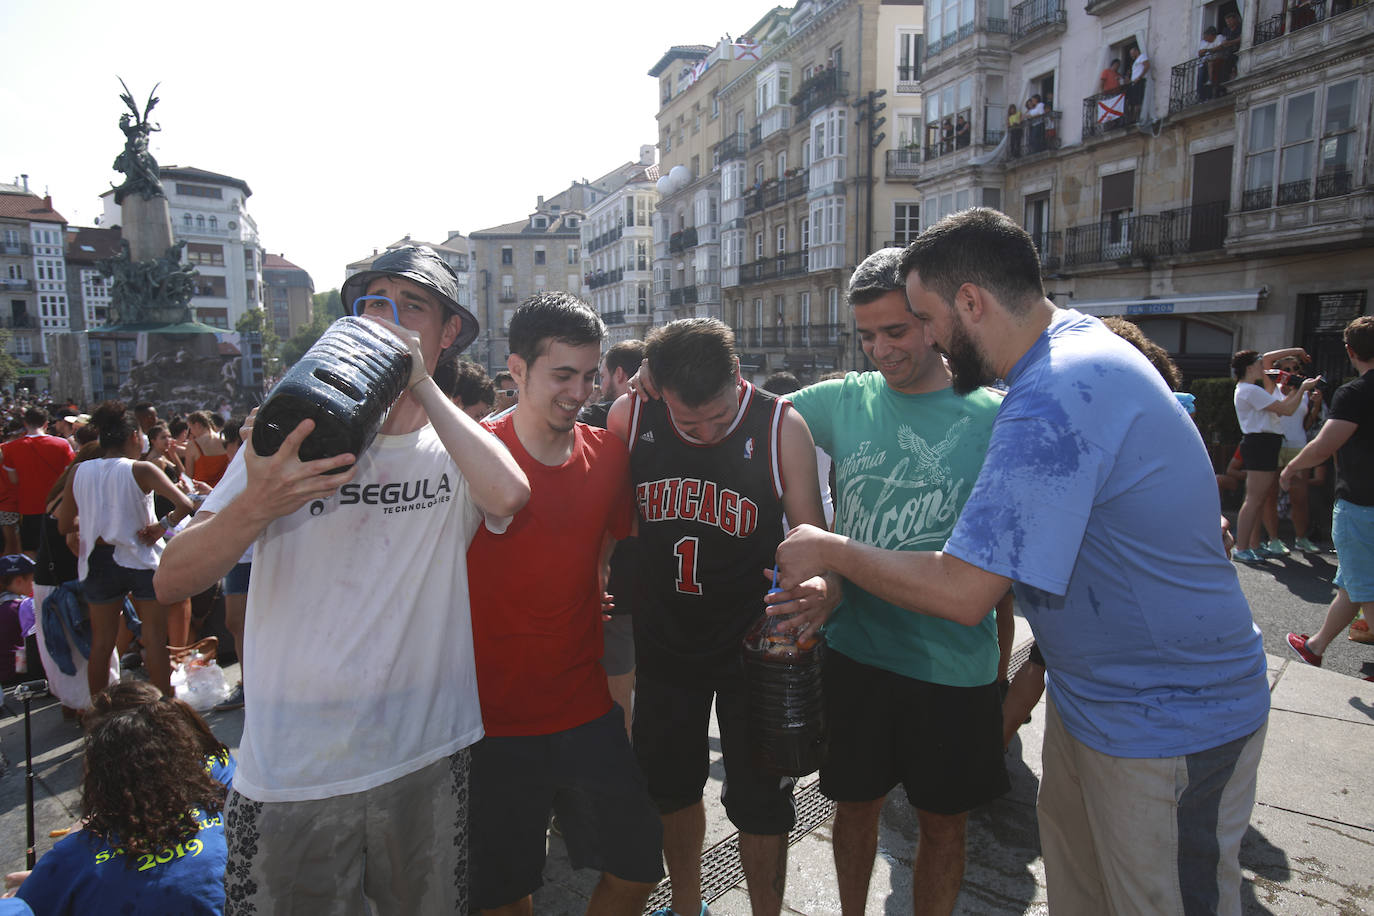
column 710, row 520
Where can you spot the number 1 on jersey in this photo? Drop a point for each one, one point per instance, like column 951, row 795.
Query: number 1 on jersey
column 686, row 552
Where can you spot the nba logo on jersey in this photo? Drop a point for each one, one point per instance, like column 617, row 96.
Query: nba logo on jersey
column 749, row 448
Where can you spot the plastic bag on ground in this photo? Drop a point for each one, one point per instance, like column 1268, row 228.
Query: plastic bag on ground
column 200, row 683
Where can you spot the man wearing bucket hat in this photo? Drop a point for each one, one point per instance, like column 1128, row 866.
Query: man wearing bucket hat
column 353, row 769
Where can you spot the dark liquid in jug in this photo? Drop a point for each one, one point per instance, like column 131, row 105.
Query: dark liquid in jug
column 787, row 728
column 346, row 383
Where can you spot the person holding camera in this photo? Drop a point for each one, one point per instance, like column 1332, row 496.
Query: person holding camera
column 1259, row 409
column 1296, row 428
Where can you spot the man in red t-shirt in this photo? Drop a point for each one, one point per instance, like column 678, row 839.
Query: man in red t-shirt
column 554, row 740
column 33, row 463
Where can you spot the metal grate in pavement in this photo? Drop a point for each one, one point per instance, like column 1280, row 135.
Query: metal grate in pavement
column 720, row 865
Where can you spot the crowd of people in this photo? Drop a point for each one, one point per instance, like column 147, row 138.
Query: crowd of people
column 530, row 604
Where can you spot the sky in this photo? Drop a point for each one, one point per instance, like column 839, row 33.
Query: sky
column 352, row 125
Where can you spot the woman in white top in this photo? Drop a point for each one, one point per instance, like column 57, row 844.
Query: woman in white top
column 1295, row 428
column 121, row 543
column 1258, row 409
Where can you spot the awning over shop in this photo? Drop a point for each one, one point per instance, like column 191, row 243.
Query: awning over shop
column 1238, row 300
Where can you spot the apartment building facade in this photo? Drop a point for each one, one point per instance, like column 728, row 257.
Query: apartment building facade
column 806, row 131
column 209, row 212
column 1227, row 205
column 289, row 292
column 540, row 253
column 617, row 253
column 33, row 279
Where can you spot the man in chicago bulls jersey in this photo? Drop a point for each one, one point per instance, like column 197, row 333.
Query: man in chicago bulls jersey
column 714, row 464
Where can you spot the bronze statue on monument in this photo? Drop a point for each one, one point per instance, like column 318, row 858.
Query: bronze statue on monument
column 137, row 164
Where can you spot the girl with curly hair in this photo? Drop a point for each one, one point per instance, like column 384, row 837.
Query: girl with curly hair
column 152, row 838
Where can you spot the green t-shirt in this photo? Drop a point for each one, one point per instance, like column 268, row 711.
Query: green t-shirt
column 904, row 465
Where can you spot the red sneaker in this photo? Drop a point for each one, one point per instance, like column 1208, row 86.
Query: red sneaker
column 1298, row 643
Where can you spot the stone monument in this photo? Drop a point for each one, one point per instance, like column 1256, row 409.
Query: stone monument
column 180, row 367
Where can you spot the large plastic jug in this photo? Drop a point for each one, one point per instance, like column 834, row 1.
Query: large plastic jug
column 346, row 383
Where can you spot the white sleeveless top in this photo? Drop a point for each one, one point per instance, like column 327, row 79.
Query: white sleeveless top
column 112, row 507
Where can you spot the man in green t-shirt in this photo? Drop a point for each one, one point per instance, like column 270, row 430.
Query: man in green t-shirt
column 910, row 699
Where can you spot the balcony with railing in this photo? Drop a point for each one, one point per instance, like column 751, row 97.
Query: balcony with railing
column 1330, row 208
column 1037, row 19
column 820, row 90
column 994, row 125
column 1326, row 185
column 15, row 285
column 16, row 248
column 904, row 164
column 599, row 278
column 992, row 29
column 507, row 294
column 1049, row 245
column 683, row 240
column 734, row 146
column 788, row 337
column 682, row 295
column 909, row 78
column 1187, row 230
column 775, row 191
column 1034, row 136
column 1305, row 28
column 949, row 135
column 613, row 318
column 1107, row 112
column 1190, row 85
column 789, row 264
column 1111, row 239
column 604, row 239
column 17, row 322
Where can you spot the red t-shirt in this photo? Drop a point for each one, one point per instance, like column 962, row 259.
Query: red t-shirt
column 39, row 461
column 536, row 600
column 9, row 494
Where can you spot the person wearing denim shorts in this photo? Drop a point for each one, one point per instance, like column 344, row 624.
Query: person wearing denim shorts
column 1348, row 434
column 121, row 543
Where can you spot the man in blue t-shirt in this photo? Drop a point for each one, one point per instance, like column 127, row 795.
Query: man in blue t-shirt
column 1349, row 435
column 1098, row 503
column 909, row 699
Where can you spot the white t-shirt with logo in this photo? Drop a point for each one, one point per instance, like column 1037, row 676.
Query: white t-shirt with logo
column 358, row 637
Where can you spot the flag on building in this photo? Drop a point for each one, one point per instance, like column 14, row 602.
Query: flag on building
column 1111, row 108
column 697, row 70
column 746, row 49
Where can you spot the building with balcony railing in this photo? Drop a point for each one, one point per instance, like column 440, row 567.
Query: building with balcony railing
column 806, row 173
column 33, row 278
column 209, row 212
column 1231, row 205
column 546, row 252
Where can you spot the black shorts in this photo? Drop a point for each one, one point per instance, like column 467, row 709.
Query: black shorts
column 943, row 744
column 30, row 531
column 671, row 723
column 106, row 581
column 588, row 777
column 1260, row 451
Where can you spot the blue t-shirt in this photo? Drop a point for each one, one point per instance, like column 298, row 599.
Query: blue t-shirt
column 904, row 464
column 84, row 874
column 1097, row 498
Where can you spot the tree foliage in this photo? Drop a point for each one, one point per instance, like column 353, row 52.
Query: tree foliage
column 254, row 321
column 9, row 366
column 326, row 308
